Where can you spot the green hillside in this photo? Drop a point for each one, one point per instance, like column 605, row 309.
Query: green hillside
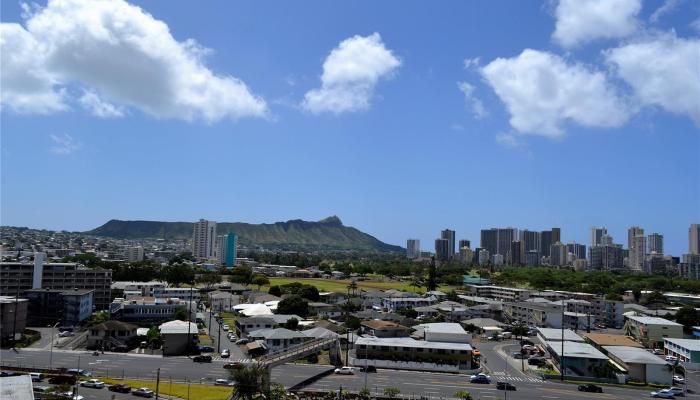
column 327, row 234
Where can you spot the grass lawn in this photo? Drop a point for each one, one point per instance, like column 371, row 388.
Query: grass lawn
column 229, row 319
column 204, row 340
column 341, row 285
column 196, row 390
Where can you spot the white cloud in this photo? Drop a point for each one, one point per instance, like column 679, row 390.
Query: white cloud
column 662, row 71
column 64, row 145
column 508, row 140
column 581, row 21
column 696, row 24
column 471, row 101
column 350, row 73
column 471, row 62
column 92, row 102
column 121, row 52
column 542, row 91
column 666, row 8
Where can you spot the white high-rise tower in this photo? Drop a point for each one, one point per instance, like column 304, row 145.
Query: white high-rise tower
column 204, row 240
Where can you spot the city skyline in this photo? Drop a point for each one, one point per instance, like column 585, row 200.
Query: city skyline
column 293, row 135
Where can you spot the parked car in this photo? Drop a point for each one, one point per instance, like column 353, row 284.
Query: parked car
column 81, row 372
column 345, row 370
column 225, row 327
column 63, row 379
column 66, row 334
column 671, row 358
column 589, row 387
column 505, row 386
column 663, row 394
column 234, row 365
column 41, row 389
column 526, row 342
column 480, row 378
column 370, row 368
column 70, row 396
column 223, row 382
column 36, row 376
column 536, row 361
column 518, row 355
column 202, row 359
column 242, row 341
column 142, row 392
column 119, row 388
column 658, row 352
column 225, row 353
column 678, row 379
column 93, row 383
column 206, row 349
column 677, row 391
column 8, row 373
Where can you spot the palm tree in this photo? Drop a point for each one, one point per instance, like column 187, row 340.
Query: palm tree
column 250, row 380
column 463, row 395
column 352, row 286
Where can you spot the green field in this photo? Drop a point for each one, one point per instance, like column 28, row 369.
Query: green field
column 196, row 391
column 341, row 285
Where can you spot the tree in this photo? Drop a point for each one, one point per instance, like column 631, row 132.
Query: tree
column 178, row 274
column 309, row 292
column 463, row 395
column 261, row 280
column 391, row 392
column 519, row 330
column 292, row 324
column 181, row 314
column 153, row 336
column 242, row 275
column 352, row 322
column 249, row 380
column 209, row 279
column 293, row 304
column 432, row 276
column 99, row 317
column 655, row 298
column 688, row 316
column 275, row 291
column 352, row 287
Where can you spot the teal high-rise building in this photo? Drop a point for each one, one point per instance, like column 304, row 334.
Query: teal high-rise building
column 226, row 248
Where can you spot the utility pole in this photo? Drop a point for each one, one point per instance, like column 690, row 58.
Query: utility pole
column 561, row 356
column 77, row 380
column 14, row 322
column 218, row 340
column 189, row 324
column 157, row 382
column 52, row 340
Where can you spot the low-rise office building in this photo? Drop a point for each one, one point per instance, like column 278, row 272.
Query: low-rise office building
column 651, row 331
column 150, row 309
column 641, row 365
column 384, row 329
column 178, row 336
column 49, row 306
column 534, row 313
column 411, row 354
column 448, row 332
column 500, row 293
column 686, row 350
column 13, row 317
column 579, row 358
column 398, row 303
column 279, row 339
column 555, row 335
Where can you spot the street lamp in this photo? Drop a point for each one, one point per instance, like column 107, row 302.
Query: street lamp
column 52, row 340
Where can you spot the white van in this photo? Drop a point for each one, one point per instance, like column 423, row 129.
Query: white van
column 36, row 376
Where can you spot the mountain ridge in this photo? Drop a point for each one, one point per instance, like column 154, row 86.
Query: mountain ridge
column 327, row 234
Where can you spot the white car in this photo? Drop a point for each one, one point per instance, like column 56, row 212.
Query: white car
column 345, row 370
column 70, row 395
column 671, row 358
column 66, row 334
column 225, row 327
column 93, row 383
column 678, row 379
column 677, row 391
column 663, row 394
column 223, row 382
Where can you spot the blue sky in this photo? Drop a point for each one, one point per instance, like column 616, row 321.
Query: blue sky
column 402, row 118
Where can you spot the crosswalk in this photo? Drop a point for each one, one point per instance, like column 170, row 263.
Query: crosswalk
column 501, row 376
column 234, row 360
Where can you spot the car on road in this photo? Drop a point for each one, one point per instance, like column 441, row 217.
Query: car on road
column 225, row 327
column 505, row 386
column 234, row 365
column 206, row 349
column 663, row 394
column 677, row 391
column 119, row 388
column 225, row 353
column 242, row 341
column 93, row 383
column 142, row 392
column 518, row 355
column 658, row 352
column 202, row 359
column 537, row 360
column 66, row 334
column 678, row 379
column 589, row 387
column 63, row 379
column 70, row 396
column 527, row 342
column 671, row 358
column 345, row 370
column 480, row 378
column 529, row 347
column 370, row 368
column 81, row 372
column 223, row 382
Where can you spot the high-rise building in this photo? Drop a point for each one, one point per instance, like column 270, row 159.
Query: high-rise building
column 464, row 243
column 484, row 257
column 694, row 239
column 131, row 253
column 204, row 240
column 606, row 257
column 556, row 235
column 226, row 248
column 597, row 235
column 545, row 242
column 412, row 249
column 638, row 253
column 442, row 249
column 531, row 240
column 489, row 240
column 558, row 253
column 449, row 235
column 532, row 258
column 497, row 240
column 516, row 254
column 578, row 250
column 655, row 241
column 633, row 232
column 606, row 240
column 466, row 255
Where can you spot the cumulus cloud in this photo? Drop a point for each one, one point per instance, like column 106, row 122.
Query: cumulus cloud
column 92, row 102
column 662, row 71
column 472, row 102
column 542, row 91
column 350, row 73
column 64, row 145
column 668, row 7
column 121, row 52
column 581, row 21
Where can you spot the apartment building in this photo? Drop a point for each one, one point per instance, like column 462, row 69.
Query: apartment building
column 652, row 331
column 49, row 306
column 541, row 314
column 18, row 277
column 500, row 293
column 179, row 293
column 397, row 303
column 687, row 351
column 149, row 309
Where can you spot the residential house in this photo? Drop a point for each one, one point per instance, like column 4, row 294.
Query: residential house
column 384, row 329
column 111, row 335
column 178, row 336
column 279, row 338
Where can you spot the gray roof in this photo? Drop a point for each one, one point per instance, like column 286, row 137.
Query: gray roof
column 408, row 342
column 482, row 322
column 690, row 344
column 633, row 355
column 279, row 333
column 553, row 334
column 320, row 333
column 576, row 350
column 653, row 321
column 16, row 388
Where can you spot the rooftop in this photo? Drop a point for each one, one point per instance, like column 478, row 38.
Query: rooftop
column 552, row 334
column 633, row 355
column 442, row 327
column 652, row 320
column 606, row 339
column 690, row 344
column 177, row 326
column 278, row 333
column 381, row 324
column 576, row 350
column 408, row 342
